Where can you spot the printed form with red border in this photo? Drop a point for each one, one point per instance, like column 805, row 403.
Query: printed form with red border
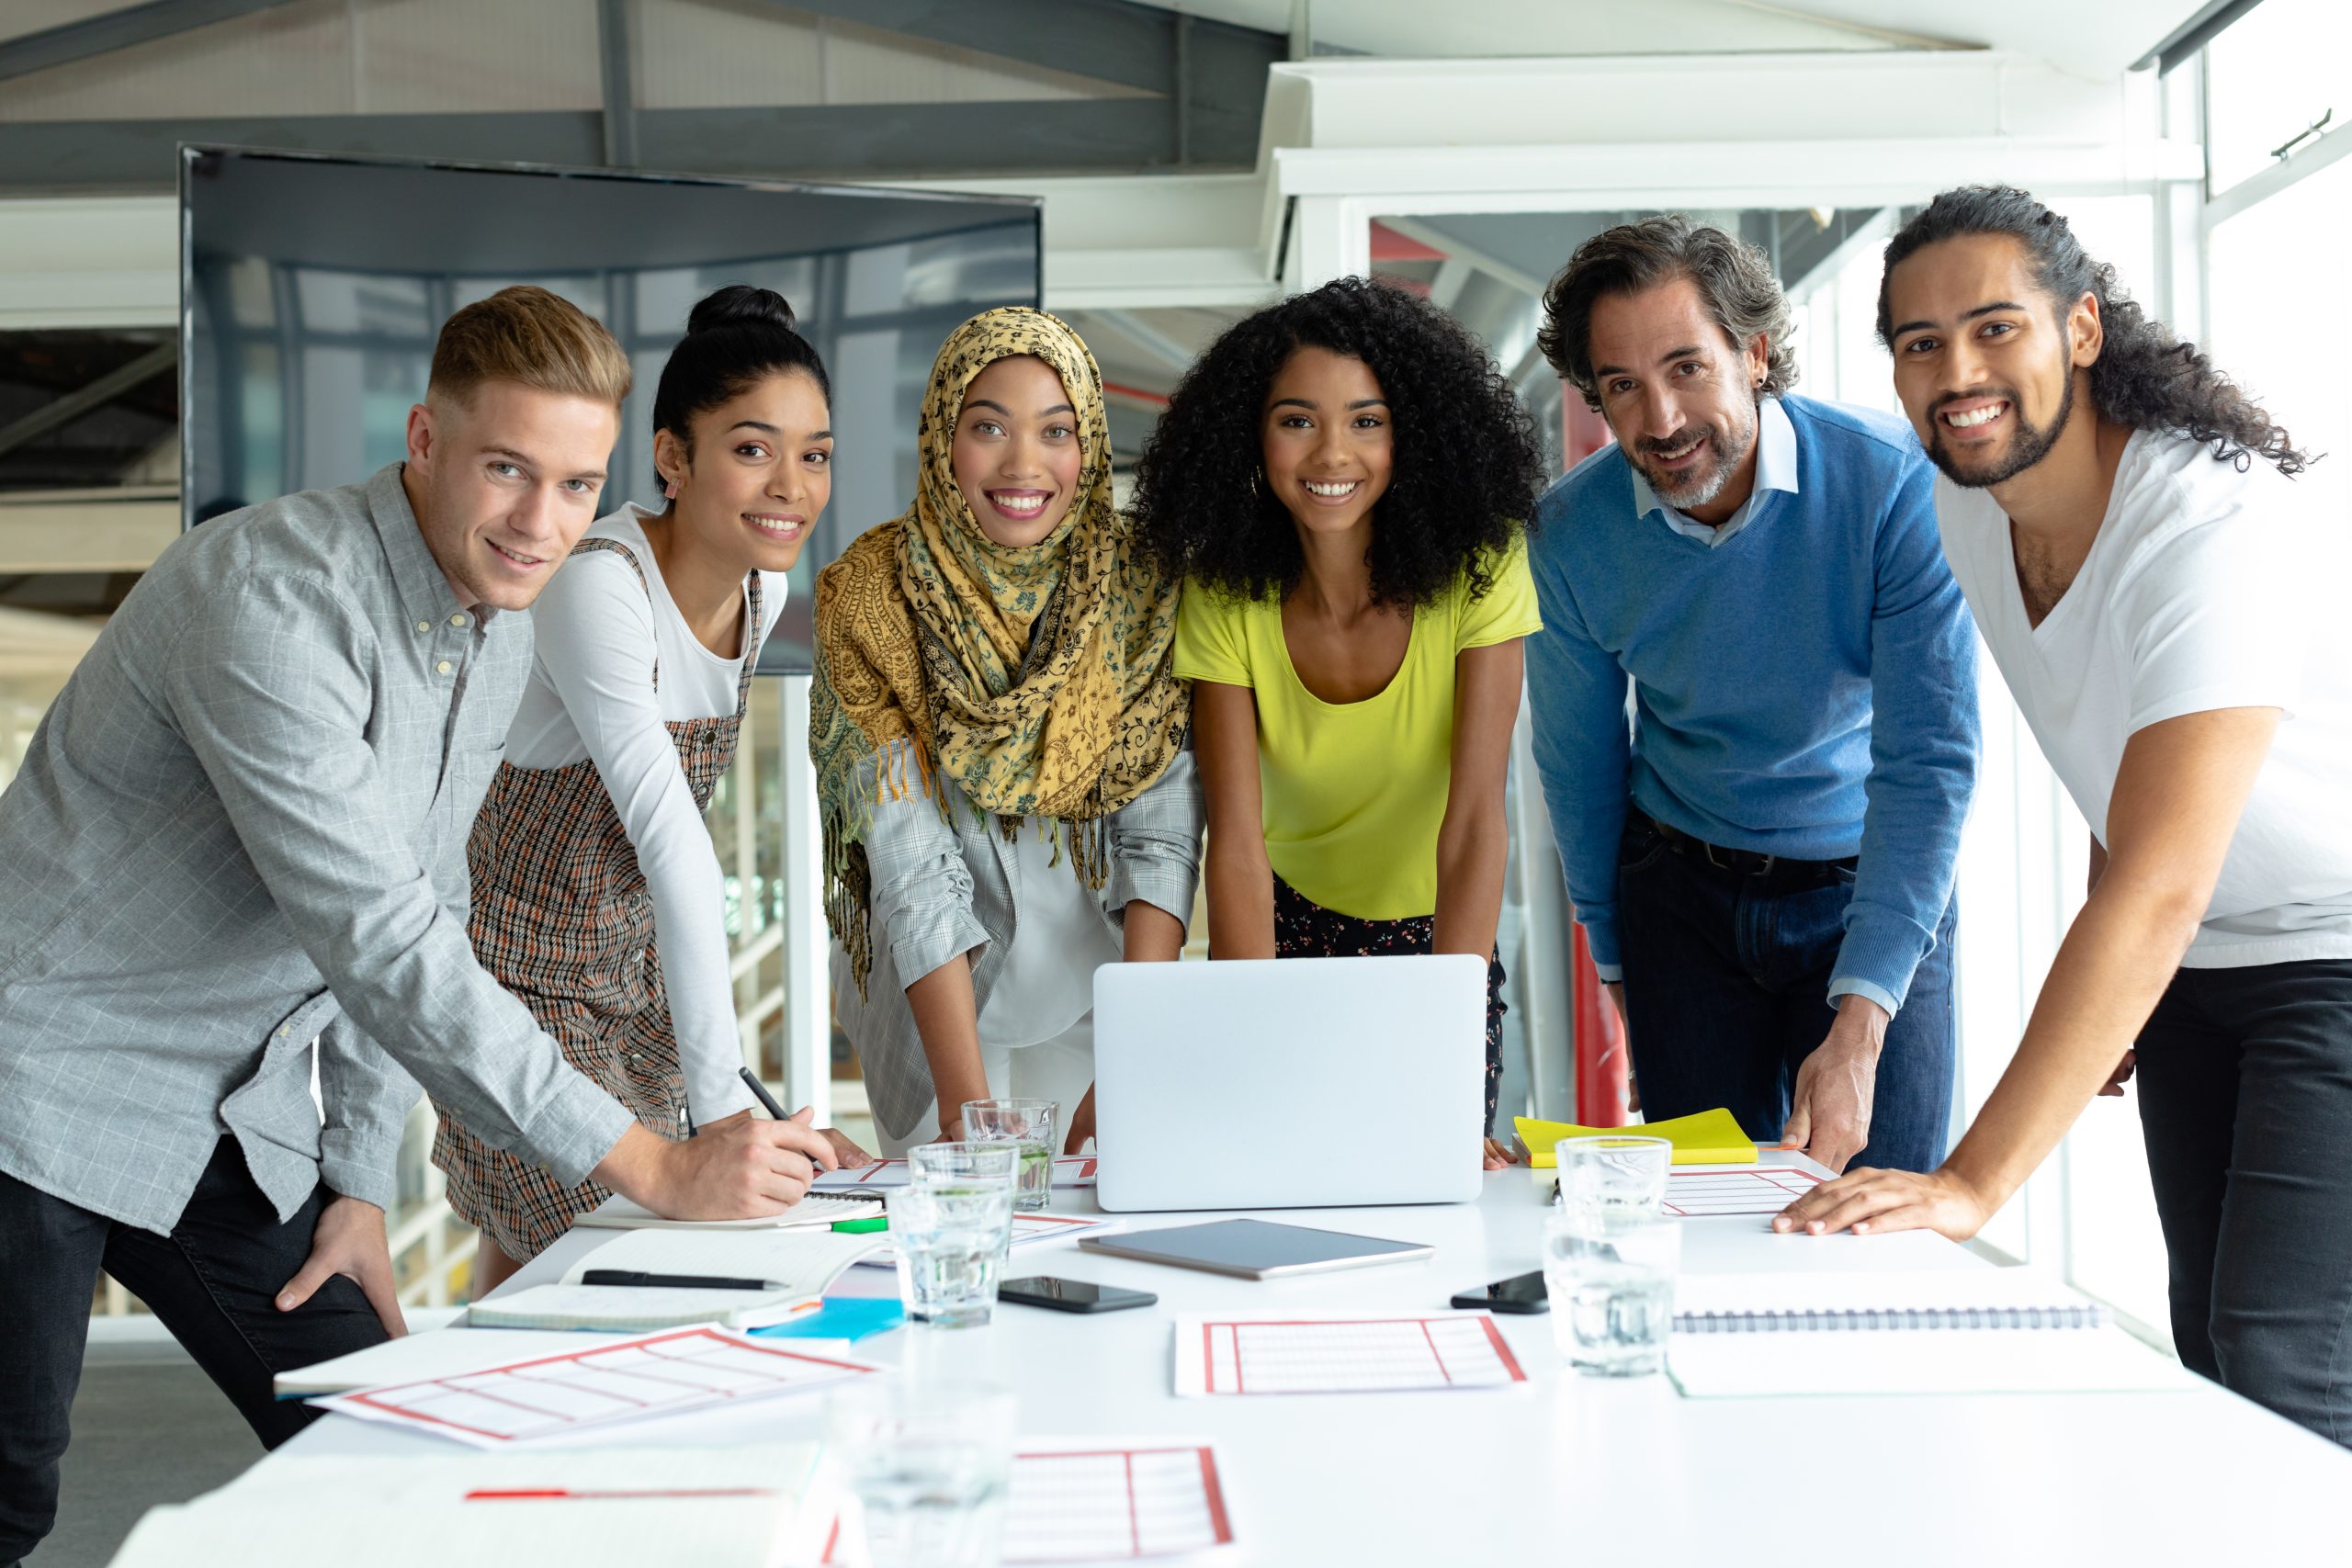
column 1098, row 1500
column 1218, row 1354
column 600, row 1385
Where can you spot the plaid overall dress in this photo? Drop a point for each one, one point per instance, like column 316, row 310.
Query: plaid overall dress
column 561, row 917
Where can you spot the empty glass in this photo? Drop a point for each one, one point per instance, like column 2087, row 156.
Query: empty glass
column 930, row 1464
column 1612, row 1175
column 1028, row 1125
column 951, row 1236
column 1610, row 1279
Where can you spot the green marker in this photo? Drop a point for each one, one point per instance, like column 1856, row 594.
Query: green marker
column 866, row 1226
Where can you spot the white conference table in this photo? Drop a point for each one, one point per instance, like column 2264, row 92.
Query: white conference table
column 1569, row 1469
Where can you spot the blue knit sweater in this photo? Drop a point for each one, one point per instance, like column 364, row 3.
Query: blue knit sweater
column 1806, row 688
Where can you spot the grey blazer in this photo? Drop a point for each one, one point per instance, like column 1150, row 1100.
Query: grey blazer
column 941, row 888
column 243, row 825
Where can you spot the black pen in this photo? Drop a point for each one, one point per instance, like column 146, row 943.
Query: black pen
column 673, row 1281
column 766, row 1099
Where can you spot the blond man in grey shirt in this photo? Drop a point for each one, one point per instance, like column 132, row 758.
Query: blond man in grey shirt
column 242, row 827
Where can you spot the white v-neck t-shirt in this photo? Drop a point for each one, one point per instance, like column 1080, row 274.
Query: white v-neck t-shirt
column 596, row 633
column 2206, row 588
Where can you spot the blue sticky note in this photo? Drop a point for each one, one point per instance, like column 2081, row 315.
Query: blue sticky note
column 841, row 1317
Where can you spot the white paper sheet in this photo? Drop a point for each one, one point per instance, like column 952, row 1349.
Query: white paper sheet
column 575, row 1390
column 1093, row 1500
column 435, row 1353
column 1340, row 1353
column 1126, row 1501
column 1697, row 1192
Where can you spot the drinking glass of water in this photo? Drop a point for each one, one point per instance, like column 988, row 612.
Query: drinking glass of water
column 1612, row 1175
column 930, row 1466
column 1028, row 1125
column 1610, row 1279
column 951, row 1239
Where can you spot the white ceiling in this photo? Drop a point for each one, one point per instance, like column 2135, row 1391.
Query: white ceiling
column 2096, row 37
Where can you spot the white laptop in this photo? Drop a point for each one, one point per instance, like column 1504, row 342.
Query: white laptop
column 1289, row 1083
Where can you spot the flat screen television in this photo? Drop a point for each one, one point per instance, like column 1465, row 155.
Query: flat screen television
column 313, row 287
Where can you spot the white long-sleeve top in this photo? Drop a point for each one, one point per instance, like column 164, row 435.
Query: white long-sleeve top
column 592, row 695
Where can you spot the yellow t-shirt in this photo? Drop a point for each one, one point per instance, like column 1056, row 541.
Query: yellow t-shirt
column 1354, row 791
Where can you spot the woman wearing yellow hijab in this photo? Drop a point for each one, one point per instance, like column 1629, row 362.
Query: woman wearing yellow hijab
column 1001, row 745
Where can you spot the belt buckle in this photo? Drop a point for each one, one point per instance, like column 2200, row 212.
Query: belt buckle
column 1764, row 863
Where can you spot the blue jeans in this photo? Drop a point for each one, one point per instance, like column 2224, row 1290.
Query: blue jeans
column 1726, row 994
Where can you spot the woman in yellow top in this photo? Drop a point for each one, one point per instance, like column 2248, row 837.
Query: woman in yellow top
column 1342, row 477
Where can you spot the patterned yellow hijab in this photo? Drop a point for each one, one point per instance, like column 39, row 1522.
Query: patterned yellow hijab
column 1037, row 680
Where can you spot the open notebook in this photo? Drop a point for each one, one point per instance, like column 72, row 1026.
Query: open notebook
column 1927, row 1332
column 798, row 1264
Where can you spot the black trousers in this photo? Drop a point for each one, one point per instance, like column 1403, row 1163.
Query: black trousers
column 2245, row 1100
column 213, row 1281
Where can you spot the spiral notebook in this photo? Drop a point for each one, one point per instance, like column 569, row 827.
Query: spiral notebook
column 1933, row 1332
column 1924, row 1299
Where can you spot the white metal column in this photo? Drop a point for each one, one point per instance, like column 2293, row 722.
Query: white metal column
column 808, row 1002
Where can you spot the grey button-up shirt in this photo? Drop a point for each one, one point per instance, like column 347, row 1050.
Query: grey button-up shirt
column 243, row 825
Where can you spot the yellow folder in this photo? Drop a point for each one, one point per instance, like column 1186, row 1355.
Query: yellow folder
column 1710, row 1137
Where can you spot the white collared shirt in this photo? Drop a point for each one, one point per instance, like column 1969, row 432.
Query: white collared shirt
column 1776, row 468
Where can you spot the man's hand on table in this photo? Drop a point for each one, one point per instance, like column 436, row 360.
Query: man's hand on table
column 1830, row 1114
column 1868, row 1200
column 349, row 1240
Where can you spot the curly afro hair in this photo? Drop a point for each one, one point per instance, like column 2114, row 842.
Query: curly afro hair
column 1467, row 464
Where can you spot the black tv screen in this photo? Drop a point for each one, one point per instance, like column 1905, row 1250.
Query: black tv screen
column 313, row 285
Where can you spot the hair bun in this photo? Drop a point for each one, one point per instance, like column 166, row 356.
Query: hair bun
column 741, row 304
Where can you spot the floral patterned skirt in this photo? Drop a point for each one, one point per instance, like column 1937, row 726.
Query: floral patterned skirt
column 1304, row 928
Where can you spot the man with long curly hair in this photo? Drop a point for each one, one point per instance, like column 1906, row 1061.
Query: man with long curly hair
column 2154, row 589
column 1764, row 866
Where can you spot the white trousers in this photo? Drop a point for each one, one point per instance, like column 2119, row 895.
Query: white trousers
column 1060, row 1069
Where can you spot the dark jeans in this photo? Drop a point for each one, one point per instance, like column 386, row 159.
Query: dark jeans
column 1726, row 993
column 212, row 1281
column 2245, row 1100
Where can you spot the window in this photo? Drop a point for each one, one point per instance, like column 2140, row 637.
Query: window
column 2270, row 80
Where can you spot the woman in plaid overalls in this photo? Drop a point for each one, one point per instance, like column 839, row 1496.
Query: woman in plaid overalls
column 592, row 841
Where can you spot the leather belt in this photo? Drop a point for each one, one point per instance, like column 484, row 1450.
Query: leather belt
column 1746, row 863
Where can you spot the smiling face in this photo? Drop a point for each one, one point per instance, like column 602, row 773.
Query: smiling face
column 1679, row 394
column 1016, row 455
column 504, row 482
column 1985, row 362
column 759, row 470
column 1329, row 445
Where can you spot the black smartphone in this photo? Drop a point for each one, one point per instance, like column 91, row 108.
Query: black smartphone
column 1073, row 1295
column 1521, row 1293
